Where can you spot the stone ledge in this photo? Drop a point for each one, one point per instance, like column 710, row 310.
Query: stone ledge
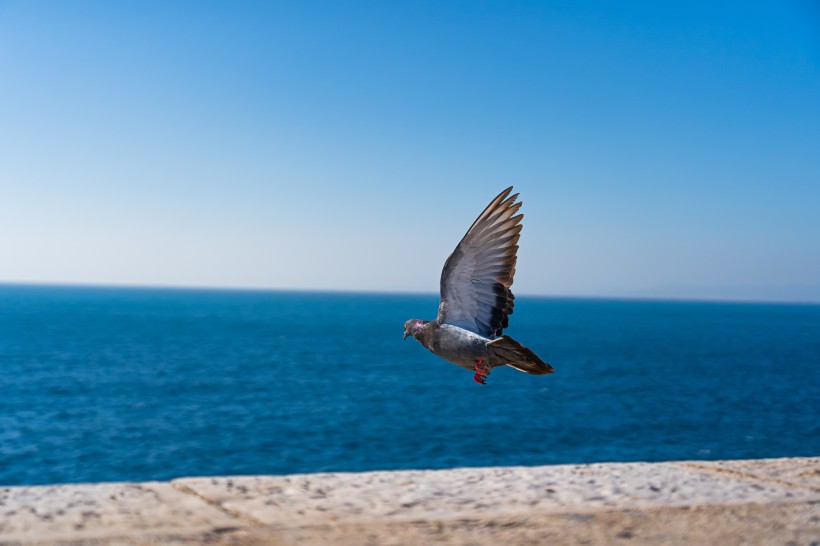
column 770, row 501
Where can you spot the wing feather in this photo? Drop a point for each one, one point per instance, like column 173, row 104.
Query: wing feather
column 476, row 279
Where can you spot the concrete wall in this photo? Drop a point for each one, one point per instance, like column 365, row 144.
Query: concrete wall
column 771, row 501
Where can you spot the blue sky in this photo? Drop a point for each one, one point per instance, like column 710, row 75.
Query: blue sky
column 661, row 150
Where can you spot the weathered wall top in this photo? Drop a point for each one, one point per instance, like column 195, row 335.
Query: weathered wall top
column 771, row 501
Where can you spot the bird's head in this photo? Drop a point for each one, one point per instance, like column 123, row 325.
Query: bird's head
column 412, row 327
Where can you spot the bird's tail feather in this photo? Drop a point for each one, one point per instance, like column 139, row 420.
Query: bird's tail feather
column 506, row 350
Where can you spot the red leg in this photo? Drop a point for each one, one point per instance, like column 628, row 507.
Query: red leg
column 481, row 373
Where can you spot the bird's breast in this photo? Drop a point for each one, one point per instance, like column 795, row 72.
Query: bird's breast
column 458, row 345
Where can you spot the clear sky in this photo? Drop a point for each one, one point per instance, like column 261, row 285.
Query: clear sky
column 662, row 149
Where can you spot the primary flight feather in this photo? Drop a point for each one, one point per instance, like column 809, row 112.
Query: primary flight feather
column 476, row 300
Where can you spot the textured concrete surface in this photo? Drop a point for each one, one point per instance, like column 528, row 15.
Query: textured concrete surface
column 774, row 470
column 316, row 499
column 773, row 501
column 101, row 510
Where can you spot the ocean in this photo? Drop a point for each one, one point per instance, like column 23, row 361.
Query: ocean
column 122, row 384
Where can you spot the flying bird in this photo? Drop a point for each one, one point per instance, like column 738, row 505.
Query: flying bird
column 476, row 300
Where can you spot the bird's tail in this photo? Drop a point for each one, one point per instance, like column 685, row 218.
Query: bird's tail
column 506, row 350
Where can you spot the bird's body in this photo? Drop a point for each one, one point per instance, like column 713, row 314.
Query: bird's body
column 454, row 344
column 476, row 299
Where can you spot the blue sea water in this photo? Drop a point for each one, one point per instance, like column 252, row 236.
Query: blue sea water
column 103, row 384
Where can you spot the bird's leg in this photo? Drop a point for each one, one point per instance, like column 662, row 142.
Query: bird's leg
column 481, row 372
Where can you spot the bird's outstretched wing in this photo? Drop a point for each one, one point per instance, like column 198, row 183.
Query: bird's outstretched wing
column 476, row 279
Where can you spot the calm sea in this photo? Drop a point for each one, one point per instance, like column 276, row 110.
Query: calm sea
column 151, row 384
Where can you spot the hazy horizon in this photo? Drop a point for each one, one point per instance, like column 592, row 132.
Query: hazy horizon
column 297, row 290
column 661, row 151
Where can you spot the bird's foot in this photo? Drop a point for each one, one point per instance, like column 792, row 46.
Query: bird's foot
column 481, row 373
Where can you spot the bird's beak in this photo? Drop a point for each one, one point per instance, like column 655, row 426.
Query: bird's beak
column 406, row 333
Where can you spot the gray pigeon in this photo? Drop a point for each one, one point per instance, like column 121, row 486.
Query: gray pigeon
column 476, row 300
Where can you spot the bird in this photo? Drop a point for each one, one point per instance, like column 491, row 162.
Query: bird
column 476, row 300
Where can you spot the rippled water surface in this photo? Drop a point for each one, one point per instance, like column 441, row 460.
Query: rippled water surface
column 103, row 384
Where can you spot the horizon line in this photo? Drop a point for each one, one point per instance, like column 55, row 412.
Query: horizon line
column 216, row 288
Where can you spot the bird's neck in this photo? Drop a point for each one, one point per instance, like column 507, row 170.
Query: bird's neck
column 424, row 334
